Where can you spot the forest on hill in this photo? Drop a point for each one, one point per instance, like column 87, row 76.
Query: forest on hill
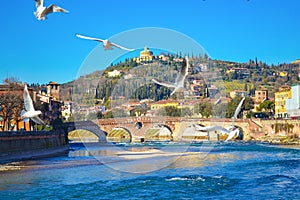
column 135, row 82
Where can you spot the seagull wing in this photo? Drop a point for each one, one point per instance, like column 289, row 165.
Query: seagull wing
column 231, row 135
column 27, row 100
column 121, row 47
column 185, row 67
column 237, row 110
column 38, row 120
column 54, row 8
column 89, row 38
column 212, row 128
column 183, row 72
column 163, row 84
column 39, row 3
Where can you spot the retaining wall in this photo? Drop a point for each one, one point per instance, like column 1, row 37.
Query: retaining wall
column 12, row 142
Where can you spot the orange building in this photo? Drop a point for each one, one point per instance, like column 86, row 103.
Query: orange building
column 11, row 100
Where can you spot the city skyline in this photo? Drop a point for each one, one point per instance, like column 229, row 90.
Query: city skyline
column 42, row 51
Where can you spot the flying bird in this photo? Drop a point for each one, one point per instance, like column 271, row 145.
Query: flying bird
column 219, row 100
column 237, row 110
column 30, row 112
column 230, row 133
column 179, row 82
column 106, row 43
column 42, row 12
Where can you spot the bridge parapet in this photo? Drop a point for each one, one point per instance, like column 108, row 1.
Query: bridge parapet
column 138, row 126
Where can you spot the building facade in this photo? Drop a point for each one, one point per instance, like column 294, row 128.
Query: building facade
column 145, row 56
column 280, row 102
column 11, row 105
column 260, row 96
column 293, row 103
column 53, row 90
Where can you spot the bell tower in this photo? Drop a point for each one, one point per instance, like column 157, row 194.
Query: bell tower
column 53, row 90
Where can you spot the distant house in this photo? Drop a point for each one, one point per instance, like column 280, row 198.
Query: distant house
column 260, row 96
column 114, row 73
column 66, row 110
column 236, row 93
column 203, row 67
column 163, row 103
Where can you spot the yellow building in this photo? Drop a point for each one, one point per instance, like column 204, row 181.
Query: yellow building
column 145, row 56
column 283, row 74
column 296, row 62
column 280, row 101
column 163, row 103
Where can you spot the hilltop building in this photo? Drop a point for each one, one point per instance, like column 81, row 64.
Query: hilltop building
column 145, row 56
column 114, row 73
column 280, row 101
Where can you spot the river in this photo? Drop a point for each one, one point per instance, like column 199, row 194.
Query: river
column 232, row 170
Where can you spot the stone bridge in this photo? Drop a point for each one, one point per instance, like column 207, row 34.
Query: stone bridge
column 139, row 129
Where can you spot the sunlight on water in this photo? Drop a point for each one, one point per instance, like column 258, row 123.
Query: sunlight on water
column 103, row 172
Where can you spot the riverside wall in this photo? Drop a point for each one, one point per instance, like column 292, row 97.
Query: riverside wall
column 24, row 144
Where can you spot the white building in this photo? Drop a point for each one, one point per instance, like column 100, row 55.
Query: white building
column 114, row 73
column 293, row 104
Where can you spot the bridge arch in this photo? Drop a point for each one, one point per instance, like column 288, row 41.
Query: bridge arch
column 82, row 135
column 87, row 126
column 119, row 134
column 159, row 132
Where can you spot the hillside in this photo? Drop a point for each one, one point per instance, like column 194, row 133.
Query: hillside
column 135, row 79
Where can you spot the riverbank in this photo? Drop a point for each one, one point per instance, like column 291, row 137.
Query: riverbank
column 31, row 144
column 33, row 154
column 279, row 140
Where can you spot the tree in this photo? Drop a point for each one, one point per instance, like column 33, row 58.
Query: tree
column 232, row 105
column 268, row 106
column 11, row 105
column 205, row 109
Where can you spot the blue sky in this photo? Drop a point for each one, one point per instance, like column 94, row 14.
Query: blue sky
column 237, row 30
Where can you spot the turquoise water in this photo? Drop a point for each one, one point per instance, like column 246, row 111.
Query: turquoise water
column 157, row 171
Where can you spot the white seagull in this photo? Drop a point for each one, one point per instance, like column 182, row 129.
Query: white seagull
column 237, row 111
column 179, row 82
column 30, row 112
column 230, row 133
column 106, row 43
column 41, row 11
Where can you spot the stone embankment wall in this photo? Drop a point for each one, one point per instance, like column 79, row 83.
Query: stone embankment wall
column 15, row 142
column 275, row 128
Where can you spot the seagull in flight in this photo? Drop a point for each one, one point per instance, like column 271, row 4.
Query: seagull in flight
column 230, row 133
column 30, row 112
column 237, row 111
column 41, row 11
column 106, row 43
column 179, row 82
